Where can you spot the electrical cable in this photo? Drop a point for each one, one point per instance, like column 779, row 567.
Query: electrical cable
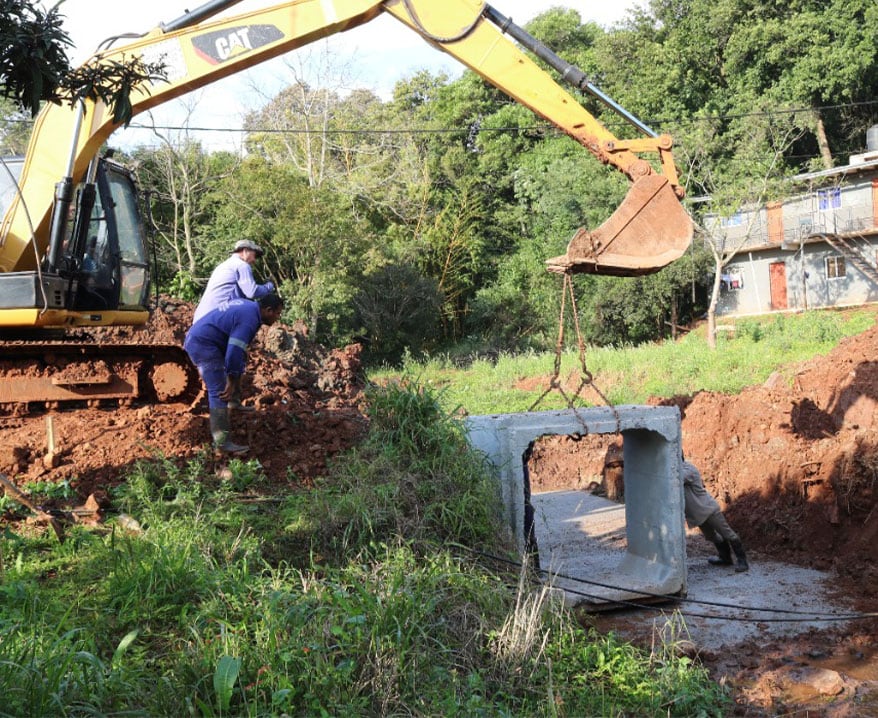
column 813, row 615
column 529, row 128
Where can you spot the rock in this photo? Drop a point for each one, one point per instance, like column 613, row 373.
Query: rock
column 51, row 460
column 822, row 681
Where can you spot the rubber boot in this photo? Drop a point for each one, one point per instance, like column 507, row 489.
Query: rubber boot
column 219, row 430
column 738, row 548
column 235, row 402
column 725, row 554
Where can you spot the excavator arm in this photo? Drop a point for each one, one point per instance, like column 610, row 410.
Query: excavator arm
column 649, row 229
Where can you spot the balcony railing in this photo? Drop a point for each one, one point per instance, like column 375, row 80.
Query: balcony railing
column 746, row 234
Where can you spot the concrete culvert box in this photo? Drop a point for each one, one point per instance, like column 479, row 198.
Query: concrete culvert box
column 598, row 551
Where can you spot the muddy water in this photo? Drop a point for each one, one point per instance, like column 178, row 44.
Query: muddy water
column 863, row 666
column 858, row 672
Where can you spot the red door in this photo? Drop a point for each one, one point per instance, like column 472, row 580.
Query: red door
column 777, row 278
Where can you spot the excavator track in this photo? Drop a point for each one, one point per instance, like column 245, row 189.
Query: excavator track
column 59, row 375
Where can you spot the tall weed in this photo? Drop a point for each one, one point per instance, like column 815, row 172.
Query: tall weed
column 633, row 374
column 45, row 673
column 415, row 478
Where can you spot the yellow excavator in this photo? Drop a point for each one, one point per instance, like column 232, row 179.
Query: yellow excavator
column 72, row 247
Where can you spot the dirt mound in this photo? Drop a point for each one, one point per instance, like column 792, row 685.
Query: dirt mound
column 794, row 460
column 308, row 403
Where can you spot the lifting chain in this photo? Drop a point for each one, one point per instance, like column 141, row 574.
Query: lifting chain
column 586, row 376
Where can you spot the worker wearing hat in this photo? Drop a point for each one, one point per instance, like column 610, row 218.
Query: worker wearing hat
column 233, row 279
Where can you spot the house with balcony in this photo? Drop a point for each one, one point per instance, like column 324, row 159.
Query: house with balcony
column 818, row 248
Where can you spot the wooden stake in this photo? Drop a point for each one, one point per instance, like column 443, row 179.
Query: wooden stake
column 50, row 434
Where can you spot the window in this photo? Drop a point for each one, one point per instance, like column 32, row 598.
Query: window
column 8, row 184
column 829, row 198
column 835, row 267
column 736, row 220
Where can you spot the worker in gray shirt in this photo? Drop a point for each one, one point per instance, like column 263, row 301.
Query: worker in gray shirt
column 233, row 279
column 703, row 511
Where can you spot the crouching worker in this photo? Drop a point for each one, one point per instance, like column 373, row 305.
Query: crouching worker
column 703, row 511
column 217, row 344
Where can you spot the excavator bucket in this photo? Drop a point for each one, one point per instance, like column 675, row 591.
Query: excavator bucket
column 648, row 231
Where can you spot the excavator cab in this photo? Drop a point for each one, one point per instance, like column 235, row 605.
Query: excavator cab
column 110, row 267
column 99, row 268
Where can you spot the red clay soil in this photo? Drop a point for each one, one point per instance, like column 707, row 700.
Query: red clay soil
column 308, row 402
column 793, row 462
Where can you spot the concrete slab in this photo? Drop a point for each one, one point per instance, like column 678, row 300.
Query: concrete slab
column 583, row 537
column 582, row 542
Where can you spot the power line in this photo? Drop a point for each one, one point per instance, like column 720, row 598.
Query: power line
column 526, row 128
column 292, row 131
column 543, row 127
column 770, row 113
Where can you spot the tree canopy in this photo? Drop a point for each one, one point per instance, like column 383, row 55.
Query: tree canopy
column 34, row 67
column 422, row 221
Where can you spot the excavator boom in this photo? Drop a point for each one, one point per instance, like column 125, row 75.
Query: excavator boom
column 649, row 230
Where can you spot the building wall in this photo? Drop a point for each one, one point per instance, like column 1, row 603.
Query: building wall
column 779, row 248
column 807, row 273
column 837, row 209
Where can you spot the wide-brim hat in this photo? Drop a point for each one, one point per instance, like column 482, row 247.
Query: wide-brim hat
column 247, row 244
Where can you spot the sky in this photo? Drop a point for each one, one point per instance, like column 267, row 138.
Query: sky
column 375, row 56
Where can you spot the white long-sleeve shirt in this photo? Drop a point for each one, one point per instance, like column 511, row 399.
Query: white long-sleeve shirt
column 232, row 279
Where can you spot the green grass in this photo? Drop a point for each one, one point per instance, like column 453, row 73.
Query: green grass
column 631, row 375
column 368, row 595
column 371, row 594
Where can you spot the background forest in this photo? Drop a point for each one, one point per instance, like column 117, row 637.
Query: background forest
column 421, row 223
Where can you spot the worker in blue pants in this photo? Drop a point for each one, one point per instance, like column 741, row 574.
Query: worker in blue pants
column 217, row 344
column 233, row 279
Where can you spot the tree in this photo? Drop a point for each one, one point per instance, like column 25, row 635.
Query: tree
column 749, row 82
column 729, row 57
column 295, row 126
column 33, row 59
column 15, row 128
column 751, row 178
column 398, row 310
column 808, row 53
column 34, row 66
column 641, row 309
column 180, row 175
column 315, row 247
